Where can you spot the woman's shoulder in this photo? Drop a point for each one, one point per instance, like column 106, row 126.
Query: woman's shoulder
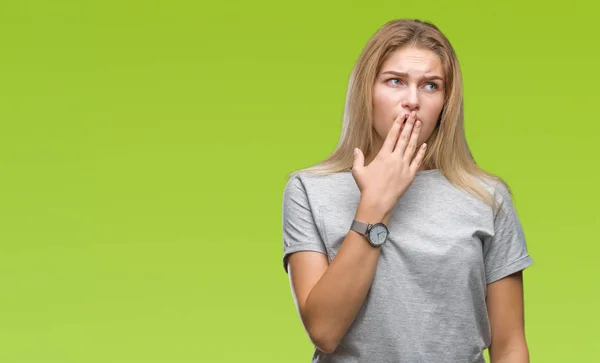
column 493, row 184
column 317, row 178
column 321, row 183
column 498, row 189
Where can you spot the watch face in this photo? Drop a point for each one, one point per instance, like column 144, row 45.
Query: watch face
column 378, row 234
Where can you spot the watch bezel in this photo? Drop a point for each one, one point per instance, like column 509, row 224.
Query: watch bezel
column 373, row 226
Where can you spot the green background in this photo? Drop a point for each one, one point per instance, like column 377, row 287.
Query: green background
column 144, row 147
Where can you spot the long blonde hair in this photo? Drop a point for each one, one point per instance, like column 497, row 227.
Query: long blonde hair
column 447, row 148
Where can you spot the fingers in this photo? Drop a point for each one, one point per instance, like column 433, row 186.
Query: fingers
column 359, row 160
column 405, row 134
column 418, row 160
column 392, row 136
column 412, row 142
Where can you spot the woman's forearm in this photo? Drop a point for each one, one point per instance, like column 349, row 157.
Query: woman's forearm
column 510, row 354
column 335, row 300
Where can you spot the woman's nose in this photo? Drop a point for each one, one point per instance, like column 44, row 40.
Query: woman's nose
column 411, row 100
column 410, row 104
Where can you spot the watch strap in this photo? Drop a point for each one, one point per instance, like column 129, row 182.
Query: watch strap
column 360, row 227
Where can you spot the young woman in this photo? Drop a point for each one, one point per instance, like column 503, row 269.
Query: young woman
column 398, row 247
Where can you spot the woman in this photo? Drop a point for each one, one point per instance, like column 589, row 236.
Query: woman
column 407, row 252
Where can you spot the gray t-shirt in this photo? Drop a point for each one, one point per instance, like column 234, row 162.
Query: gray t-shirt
column 427, row 302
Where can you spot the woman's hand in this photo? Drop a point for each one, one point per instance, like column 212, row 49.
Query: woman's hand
column 388, row 176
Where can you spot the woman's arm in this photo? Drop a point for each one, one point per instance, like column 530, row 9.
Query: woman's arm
column 506, row 314
column 328, row 296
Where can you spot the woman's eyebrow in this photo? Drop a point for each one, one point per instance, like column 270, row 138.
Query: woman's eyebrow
column 404, row 74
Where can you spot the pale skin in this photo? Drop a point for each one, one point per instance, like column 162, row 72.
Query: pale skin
column 410, row 80
column 408, row 97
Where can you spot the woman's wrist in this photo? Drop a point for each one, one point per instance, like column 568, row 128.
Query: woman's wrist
column 370, row 212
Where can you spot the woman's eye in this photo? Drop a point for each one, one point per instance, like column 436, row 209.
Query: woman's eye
column 394, row 79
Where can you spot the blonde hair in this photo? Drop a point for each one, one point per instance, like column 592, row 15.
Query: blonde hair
column 447, row 148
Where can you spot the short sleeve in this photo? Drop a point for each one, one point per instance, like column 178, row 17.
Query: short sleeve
column 300, row 231
column 506, row 251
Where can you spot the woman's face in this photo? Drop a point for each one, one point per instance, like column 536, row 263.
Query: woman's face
column 411, row 79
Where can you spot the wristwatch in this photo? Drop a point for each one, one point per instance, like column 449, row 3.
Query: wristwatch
column 376, row 233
